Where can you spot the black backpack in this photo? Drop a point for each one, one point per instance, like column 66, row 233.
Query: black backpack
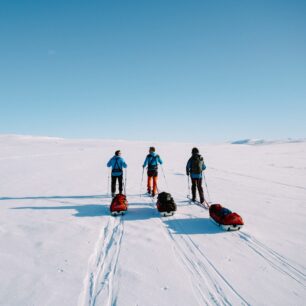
column 197, row 163
column 166, row 202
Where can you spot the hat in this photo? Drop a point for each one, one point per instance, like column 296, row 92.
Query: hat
column 195, row 151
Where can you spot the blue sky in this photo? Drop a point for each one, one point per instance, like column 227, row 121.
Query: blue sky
column 176, row 70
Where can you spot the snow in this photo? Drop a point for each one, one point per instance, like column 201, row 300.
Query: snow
column 263, row 141
column 60, row 246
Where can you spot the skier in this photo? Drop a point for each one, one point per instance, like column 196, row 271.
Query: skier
column 152, row 160
column 117, row 163
column 195, row 166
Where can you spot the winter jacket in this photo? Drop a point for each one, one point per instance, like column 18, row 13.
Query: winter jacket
column 116, row 163
column 152, row 160
column 189, row 166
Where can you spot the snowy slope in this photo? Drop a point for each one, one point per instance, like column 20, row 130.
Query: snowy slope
column 269, row 142
column 59, row 246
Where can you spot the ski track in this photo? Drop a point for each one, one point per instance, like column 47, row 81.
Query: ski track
column 211, row 287
column 208, row 281
column 276, row 260
column 98, row 284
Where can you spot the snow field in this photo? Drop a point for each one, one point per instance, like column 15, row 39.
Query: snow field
column 60, row 246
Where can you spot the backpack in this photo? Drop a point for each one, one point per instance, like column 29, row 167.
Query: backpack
column 197, row 162
column 152, row 161
column 164, row 197
column 116, row 167
column 165, row 202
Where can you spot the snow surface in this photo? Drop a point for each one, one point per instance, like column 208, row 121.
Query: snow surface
column 60, row 246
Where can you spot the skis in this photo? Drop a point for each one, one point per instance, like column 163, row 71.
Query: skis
column 149, row 195
column 118, row 213
column 204, row 205
column 167, row 214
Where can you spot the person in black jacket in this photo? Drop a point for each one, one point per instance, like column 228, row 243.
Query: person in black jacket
column 195, row 166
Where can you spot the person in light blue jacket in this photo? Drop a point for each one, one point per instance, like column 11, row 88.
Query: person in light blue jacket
column 152, row 160
column 117, row 164
column 195, row 166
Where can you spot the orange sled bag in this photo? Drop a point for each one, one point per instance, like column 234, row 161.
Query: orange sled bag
column 119, row 204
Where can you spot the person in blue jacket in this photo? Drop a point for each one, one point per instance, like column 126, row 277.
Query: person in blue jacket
column 117, row 164
column 152, row 160
column 195, row 166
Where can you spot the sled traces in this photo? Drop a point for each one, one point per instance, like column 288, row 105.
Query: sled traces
column 276, row 260
column 98, row 284
column 211, row 287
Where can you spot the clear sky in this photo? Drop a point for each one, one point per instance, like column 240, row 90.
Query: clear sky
column 196, row 70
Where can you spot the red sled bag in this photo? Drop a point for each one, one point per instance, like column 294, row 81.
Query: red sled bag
column 226, row 219
column 119, row 205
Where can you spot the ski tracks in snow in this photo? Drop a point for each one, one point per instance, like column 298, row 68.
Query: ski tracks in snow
column 98, row 283
column 211, row 287
column 276, row 260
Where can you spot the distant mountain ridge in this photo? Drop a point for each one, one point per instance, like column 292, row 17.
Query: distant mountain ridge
column 263, row 141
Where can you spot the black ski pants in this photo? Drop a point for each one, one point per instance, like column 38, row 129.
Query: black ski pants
column 197, row 184
column 114, row 180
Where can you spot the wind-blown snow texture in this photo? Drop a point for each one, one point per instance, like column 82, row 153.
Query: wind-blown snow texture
column 60, row 246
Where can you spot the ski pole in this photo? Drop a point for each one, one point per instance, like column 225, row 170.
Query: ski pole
column 209, row 198
column 188, row 179
column 141, row 181
column 125, row 180
column 108, row 183
column 164, row 176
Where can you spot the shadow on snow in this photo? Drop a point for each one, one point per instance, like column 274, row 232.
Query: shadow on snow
column 191, row 226
column 101, row 196
column 88, row 210
column 140, row 213
column 56, row 197
column 98, row 210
